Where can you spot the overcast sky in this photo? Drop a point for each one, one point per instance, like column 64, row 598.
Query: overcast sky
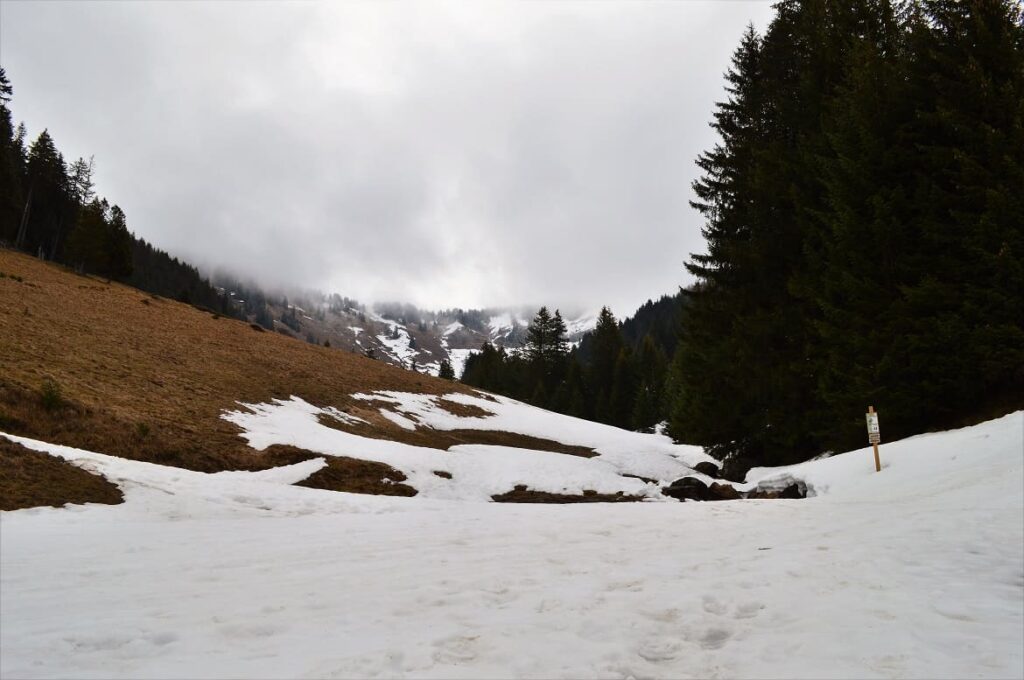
column 459, row 154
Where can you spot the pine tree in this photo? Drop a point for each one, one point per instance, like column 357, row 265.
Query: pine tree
column 11, row 167
column 87, row 242
column 651, row 369
column 117, row 247
column 446, row 372
column 623, row 392
column 82, row 186
column 538, row 337
column 50, row 205
column 606, row 346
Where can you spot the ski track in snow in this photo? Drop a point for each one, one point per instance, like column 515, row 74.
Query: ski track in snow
column 914, row 572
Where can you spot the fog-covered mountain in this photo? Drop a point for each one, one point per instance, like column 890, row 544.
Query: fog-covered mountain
column 398, row 333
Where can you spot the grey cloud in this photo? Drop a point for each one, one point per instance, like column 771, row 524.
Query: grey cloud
column 442, row 154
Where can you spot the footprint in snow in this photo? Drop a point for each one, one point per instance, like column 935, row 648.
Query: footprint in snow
column 714, row 606
column 715, row 638
column 456, row 649
column 748, row 610
column 657, row 651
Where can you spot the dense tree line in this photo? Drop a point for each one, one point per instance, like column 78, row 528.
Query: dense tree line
column 49, row 208
column 613, row 381
column 865, row 228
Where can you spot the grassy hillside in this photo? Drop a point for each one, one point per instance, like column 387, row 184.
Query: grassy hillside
column 98, row 365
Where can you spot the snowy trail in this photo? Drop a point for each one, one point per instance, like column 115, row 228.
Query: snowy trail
column 915, row 572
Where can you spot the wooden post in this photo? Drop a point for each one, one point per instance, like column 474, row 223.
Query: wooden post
column 873, row 436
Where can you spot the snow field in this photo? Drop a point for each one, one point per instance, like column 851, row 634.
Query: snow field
column 914, row 572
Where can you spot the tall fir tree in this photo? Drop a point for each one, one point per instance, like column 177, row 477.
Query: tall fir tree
column 12, row 162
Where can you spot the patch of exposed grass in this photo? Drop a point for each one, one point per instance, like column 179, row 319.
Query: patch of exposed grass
column 462, row 410
column 378, row 427
column 356, row 476
column 30, row 479
column 521, row 494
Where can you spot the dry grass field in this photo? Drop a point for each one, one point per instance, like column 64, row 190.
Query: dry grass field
column 101, row 366
column 105, row 367
column 31, row 479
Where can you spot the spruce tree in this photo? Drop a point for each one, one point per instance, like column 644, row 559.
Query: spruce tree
column 50, row 205
column 11, row 167
column 606, row 346
column 623, row 393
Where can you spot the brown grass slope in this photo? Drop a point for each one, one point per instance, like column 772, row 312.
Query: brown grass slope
column 108, row 368
column 147, row 378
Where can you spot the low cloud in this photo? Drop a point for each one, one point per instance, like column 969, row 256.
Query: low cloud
column 441, row 154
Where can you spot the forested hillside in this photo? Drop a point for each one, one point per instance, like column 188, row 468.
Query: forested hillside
column 865, row 230
column 615, row 374
column 49, row 208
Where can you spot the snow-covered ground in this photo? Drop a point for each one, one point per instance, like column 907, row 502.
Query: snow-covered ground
column 917, row 571
column 478, row 472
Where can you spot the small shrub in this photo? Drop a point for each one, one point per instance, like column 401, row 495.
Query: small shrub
column 50, row 395
column 142, row 430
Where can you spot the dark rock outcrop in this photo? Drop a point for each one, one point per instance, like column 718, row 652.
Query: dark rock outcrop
column 735, row 468
column 794, row 490
column 708, row 468
column 692, row 489
column 723, row 492
column 687, row 488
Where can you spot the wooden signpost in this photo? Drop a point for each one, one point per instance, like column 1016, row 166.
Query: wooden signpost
column 874, row 435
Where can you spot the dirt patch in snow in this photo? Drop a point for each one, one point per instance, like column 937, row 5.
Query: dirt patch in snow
column 354, row 476
column 521, row 494
column 379, row 427
column 30, row 479
column 519, row 441
column 463, row 410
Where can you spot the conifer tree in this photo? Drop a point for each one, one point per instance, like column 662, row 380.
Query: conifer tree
column 623, row 392
column 11, row 167
column 651, row 367
column 606, row 345
column 50, row 205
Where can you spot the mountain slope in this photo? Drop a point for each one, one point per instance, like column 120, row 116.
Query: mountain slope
column 148, row 378
column 402, row 334
column 105, row 367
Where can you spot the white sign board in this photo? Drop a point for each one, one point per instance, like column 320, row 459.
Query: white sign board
column 874, row 435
